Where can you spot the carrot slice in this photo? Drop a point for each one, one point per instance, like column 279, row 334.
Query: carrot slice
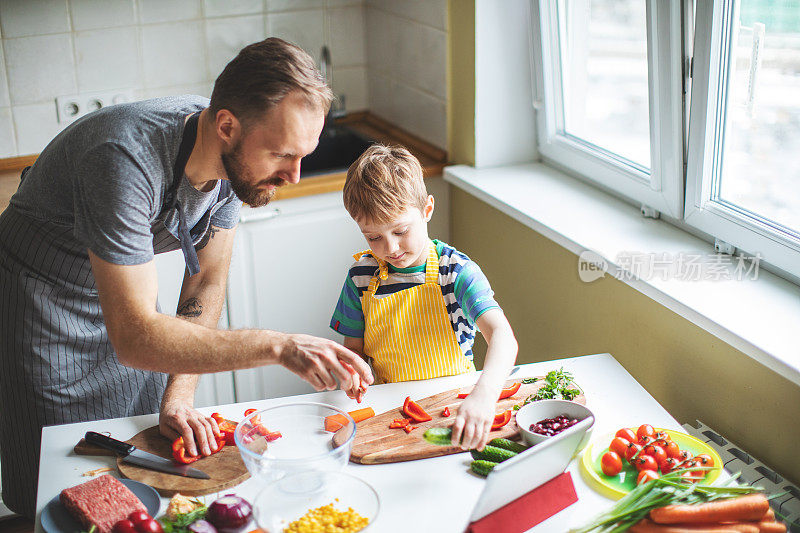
column 749, row 507
column 334, row 422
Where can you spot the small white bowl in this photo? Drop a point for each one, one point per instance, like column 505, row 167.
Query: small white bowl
column 539, row 410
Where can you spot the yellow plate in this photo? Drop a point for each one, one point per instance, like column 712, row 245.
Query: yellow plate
column 616, row 487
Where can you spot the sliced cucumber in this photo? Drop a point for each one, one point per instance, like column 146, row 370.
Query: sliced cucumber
column 493, row 454
column 439, row 436
column 508, row 445
column 481, row 467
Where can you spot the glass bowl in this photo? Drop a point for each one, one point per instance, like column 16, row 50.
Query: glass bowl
column 312, row 436
column 291, row 497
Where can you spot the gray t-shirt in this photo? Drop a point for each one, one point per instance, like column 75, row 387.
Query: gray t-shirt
column 107, row 175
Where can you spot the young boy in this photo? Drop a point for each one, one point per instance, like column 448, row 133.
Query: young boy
column 411, row 305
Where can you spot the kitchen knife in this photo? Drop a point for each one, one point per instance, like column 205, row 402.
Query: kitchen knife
column 513, row 371
column 131, row 454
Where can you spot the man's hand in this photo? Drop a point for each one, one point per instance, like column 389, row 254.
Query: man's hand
column 179, row 419
column 318, row 360
column 473, row 422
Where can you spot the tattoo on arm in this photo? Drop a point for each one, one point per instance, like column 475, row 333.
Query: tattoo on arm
column 212, row 231
column 191, row 308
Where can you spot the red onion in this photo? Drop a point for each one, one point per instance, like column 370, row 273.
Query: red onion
column 230, row 514
column 201, row 526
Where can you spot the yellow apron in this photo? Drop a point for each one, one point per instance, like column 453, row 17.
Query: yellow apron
column 408, row 334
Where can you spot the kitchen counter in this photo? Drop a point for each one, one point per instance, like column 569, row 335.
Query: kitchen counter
column 432, row 159
column 441, row 491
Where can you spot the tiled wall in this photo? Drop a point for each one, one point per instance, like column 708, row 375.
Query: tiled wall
column 154, row 47
column 406, row 65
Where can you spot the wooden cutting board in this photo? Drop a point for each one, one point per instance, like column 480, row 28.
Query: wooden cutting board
column 375, row 443
column 225, row 467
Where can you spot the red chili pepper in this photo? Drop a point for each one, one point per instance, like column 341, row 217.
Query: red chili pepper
column 501, row 419
column 446, row 412
column 179, row 453
column 413, row 411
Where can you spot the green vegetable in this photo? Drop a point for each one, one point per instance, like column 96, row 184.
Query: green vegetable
column 183, row 521
column 439, row 436
column 508, row 445
column 669, row 489
column 530, row 380
column 482, row 468
column 558, row 385
column 493, row 454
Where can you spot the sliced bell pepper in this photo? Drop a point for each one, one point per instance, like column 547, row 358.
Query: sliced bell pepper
column 179, row 453
column 504, row 393
column 273, row 435
column 409, row 428
column 510, row 391
column 399, row 423
column 226, row 427
column 446, row 412
column 501, row 419
column 256, row 419
column 413, row 411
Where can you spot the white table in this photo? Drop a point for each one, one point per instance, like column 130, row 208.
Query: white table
column 439, row 492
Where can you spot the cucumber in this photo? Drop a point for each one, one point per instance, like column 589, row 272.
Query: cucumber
column 481, row 467
column 439, row 436
column 508, row 445
column 492, row 454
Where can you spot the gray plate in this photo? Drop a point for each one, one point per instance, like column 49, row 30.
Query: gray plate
column 56, row 519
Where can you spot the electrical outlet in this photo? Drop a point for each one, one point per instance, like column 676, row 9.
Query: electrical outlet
column 72, row 107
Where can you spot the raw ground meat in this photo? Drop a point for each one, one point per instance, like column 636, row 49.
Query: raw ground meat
column 101, row 502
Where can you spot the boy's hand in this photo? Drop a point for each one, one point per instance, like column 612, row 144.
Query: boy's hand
column 358, row 388
column 474, row 420
column 318, row 360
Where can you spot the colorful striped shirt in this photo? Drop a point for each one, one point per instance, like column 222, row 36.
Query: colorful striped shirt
column 466, row 291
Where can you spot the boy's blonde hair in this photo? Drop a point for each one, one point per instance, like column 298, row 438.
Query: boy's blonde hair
column 382, row 183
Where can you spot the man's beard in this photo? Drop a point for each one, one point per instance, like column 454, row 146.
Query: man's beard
column 244, row 182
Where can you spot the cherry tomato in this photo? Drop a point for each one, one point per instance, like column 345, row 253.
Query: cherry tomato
column 611, row 464
column 138, row 517
column 619, row 446
column 645, row 476
column 684, row 455
column 124, row 526
column 627, row 434
column 149, row 526
column 657, row 452
column 704, row 459
column 645, row 430
column 672, row 450
column 632, row 450
column 662, row 436
column 668, row 465
column 645, row 462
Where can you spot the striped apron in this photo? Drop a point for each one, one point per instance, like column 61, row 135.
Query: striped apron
column 408, row 333
column 57, row 364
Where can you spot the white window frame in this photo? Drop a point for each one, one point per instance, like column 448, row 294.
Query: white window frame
column 662, row 189
column 724, row 221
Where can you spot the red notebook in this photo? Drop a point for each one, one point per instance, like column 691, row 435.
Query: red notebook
column 529, row 509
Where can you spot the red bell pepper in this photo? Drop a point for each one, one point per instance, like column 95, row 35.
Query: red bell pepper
column 272, row 435
column 413, row 411
column 399, row 423
column 504, row 393
column 256, row 419
column 409, row 428
column 501, row 419
column 179, row 453
column 446, row 412
column 226, row 427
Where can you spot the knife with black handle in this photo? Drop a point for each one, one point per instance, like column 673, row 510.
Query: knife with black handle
column 133, row 455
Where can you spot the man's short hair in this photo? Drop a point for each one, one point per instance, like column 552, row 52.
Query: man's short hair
column 382, row 183
column 262, row 74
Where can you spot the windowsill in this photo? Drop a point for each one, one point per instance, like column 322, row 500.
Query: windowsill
column 757, row 317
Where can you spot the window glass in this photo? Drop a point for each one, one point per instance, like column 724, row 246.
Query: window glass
column 760, row 170
column 604, row 75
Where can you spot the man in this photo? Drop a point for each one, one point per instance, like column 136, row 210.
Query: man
column 80, row 334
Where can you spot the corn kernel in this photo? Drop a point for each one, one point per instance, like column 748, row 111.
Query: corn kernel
column 328, row 519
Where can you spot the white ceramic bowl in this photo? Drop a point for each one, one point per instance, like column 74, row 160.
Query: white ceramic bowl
column 307, row 442
column 287, row 499
column 539, row 410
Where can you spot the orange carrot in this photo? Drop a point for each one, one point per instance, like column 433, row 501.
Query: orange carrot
column 766, row 526
column 749, row 507
column 335, row 422
column 648, row 526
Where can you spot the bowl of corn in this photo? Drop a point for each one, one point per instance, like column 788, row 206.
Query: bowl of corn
column 317, row 501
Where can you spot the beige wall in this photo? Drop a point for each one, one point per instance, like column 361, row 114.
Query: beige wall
column 693, row 374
